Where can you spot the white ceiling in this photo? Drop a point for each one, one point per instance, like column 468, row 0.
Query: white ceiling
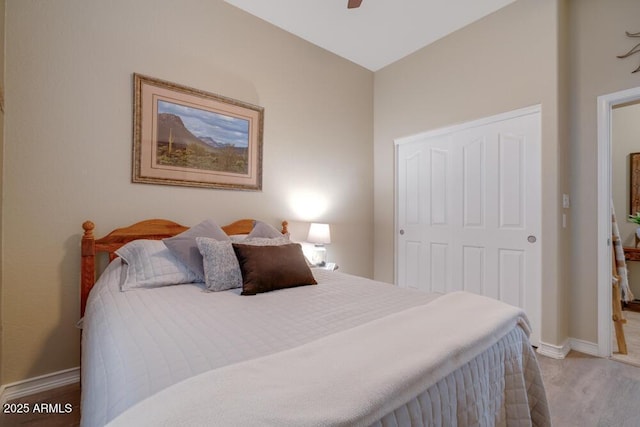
column 376, row 34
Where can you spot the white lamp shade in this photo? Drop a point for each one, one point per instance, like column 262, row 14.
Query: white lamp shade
column 320, row 234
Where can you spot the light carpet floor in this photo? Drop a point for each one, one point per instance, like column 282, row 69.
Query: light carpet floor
column 586, row 391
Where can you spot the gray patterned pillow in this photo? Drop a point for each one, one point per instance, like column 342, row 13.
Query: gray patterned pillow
column 221, row 268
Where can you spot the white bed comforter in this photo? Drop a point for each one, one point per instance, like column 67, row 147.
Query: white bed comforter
column 290, row 388
column 393, row 358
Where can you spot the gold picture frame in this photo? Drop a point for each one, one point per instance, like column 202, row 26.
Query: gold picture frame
column 188, row 137
column 634, row 183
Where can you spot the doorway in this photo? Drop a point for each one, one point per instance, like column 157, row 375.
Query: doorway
column 625, row 129
column 606, row 106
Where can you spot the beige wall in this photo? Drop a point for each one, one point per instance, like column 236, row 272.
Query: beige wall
column 68, row 144
column 505, row 61
column 597, row 36
column 625, row 139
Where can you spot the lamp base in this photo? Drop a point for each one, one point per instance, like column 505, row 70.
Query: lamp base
column 319, row 256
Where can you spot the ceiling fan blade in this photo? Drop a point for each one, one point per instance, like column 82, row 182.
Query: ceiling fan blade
column 354, row 4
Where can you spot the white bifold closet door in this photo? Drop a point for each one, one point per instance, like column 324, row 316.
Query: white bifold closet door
column 468, row 210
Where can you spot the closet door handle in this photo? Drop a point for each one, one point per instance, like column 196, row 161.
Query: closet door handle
column 532, row 239
column 401, row 232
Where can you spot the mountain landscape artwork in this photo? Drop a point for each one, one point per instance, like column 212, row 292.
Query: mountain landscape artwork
column 197, row 139
column 188, row 137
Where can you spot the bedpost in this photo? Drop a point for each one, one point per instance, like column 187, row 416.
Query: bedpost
column 285, row 226
column 87, row 264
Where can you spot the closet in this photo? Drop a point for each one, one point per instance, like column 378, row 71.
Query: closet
column 468, row 210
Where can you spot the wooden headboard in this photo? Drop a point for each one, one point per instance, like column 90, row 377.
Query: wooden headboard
column 155, row 229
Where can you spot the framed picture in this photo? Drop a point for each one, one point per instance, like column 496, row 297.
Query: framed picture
column 185, row 136
column 634, row 183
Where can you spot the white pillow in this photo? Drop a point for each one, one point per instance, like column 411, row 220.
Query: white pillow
column 221, row 267
column 184, row 246
column 151, row 264
column 262, row 229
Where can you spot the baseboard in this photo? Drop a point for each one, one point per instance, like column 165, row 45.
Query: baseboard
column 585, row 347
column 554, row 351
column 38, row 384
column 561, row 351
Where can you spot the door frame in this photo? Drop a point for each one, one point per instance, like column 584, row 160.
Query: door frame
column 606, row 103
column 438, row 132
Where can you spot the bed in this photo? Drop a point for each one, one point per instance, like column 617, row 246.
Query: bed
column 341, row 351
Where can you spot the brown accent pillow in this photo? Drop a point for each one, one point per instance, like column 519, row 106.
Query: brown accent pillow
column 267, row 268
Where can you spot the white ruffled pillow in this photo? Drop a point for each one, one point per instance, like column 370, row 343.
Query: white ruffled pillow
column 151, row 264
column 266, row 241
column 238, row 238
